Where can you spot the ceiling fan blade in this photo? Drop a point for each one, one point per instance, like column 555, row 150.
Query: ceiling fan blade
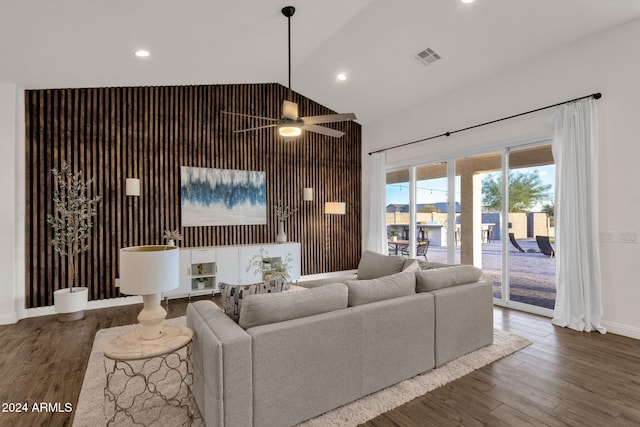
column 289, row 110
column 323, row 130
column 249, row 115
column 329, row 118
column 256, row 128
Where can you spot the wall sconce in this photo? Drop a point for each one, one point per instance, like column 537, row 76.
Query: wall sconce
column 132, row 187
column 335, row 208
column 307, row 194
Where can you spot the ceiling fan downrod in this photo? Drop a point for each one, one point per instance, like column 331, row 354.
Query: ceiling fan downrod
column 288, row 11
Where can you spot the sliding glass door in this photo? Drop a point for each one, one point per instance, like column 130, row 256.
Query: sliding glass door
column 398, row 211
column 531, row 177
column 491, row 210
column 480, row 220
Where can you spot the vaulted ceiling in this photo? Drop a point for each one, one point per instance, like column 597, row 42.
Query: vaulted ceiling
column 80, row 43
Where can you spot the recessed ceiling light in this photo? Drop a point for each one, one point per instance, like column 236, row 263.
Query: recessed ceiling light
column 342, row 76
column 468, row 1
column 142, row 53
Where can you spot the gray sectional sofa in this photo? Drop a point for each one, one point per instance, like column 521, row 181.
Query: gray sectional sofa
column 295, row 355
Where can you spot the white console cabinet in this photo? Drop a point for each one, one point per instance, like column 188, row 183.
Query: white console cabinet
column 203, row 268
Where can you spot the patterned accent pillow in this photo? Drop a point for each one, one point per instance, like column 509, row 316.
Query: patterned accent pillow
column 232, row 295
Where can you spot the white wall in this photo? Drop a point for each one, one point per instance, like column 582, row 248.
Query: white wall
column 605, row 63
column 10, row 230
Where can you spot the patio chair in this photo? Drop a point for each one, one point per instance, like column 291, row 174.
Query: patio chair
column 421, row 249
column 545, row 246
column 515, row 243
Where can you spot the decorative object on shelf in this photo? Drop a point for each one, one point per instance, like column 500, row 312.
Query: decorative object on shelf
column 271, row 268
column 132, row 187
column 282, row 214
column 281, row 237
column 172, row 236
column 222, row 196
column 71, row 225
column 149, row 271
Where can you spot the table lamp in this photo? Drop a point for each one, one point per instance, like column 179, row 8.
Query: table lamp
column 149, row 271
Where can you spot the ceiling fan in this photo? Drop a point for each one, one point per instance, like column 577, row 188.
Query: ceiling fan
column 290, row 124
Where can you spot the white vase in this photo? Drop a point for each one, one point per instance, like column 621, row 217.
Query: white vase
column 70, row 305
column 171, row 242
column 282, row 236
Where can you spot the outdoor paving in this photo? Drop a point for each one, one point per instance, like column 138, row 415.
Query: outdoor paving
column 532, row 275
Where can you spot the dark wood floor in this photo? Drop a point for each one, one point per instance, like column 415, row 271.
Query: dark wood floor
column 564, row 378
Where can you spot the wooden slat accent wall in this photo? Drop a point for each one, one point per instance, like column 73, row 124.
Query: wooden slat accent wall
column 148, row 133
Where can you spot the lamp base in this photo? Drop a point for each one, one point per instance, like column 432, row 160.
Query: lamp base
column 151, row 317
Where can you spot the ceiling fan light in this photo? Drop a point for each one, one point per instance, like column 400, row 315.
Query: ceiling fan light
column 289, row 131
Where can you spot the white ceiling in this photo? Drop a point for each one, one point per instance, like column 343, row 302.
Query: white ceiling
column 90, row 43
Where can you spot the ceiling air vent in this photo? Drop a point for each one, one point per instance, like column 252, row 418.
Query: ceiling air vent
column 427, row 56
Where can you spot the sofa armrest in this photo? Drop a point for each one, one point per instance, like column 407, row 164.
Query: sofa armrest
column 222, row 364
column 464, row 320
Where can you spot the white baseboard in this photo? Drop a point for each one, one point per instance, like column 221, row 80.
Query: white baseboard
column 624, row 330
column 49, row 310
column 8, row 319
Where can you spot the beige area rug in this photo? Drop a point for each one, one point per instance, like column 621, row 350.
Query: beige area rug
column 90, row 410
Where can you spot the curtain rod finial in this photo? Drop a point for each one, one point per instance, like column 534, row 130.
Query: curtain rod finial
column 597, row 95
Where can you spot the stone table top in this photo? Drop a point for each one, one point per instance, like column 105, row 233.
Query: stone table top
column 131, row 346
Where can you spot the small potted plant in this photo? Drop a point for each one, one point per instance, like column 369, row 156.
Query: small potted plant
column 71, row 224
column 394, row 234
column 271, row 268
column 172, row 236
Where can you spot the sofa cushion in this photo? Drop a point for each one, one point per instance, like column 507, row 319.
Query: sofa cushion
column 373, row 265
column 272, row 308
column 393, row 286
column 232, row 295
column 438, row 278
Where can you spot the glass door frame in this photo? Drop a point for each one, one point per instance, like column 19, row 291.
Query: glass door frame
column 505, row 301
column 504, row 148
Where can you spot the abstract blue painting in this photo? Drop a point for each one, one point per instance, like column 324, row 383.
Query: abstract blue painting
column 222, row 196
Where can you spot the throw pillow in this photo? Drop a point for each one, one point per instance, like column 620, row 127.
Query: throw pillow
column 272, row 308
column 373, row 265
column 393, row 286
column 232, row 295
column 438, row 278
column 426, row 265
column 410, row 266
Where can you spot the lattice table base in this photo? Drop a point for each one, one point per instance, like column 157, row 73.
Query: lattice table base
column 150, row 391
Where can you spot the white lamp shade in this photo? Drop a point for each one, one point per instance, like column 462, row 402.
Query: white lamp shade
column 307, row 194
column 146, row 270
column 133, row 187
column 335, row 208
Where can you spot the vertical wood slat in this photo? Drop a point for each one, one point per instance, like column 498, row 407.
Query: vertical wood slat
column 149, row 133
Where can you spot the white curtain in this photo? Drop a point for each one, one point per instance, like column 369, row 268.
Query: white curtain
column 575, row 151
column 377, row 238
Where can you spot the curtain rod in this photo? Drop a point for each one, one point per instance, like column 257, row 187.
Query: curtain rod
column 594, row 95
